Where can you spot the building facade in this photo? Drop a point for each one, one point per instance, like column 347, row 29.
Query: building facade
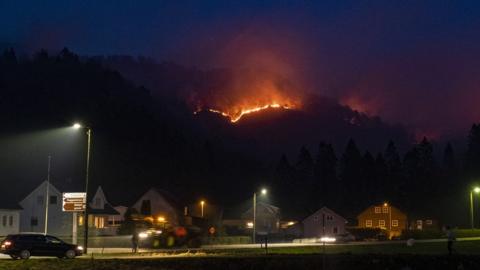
column 158, row 205
column 32, row 216
column 9, row 220
column 385, row 217
column 267, row 218
column 103, row 219
column 324, row 222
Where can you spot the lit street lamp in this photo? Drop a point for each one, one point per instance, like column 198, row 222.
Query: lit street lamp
column 202, row 204
column 476, row 190
column 262, row 192
column 89, row 145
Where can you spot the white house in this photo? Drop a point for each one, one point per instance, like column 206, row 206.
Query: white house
column 324, row 222
column 32, row 217
column 102, row 218
column 9, row 219
column 267, row 218
column 158, row 204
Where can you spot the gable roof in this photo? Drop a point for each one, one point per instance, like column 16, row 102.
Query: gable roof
column 324, row 210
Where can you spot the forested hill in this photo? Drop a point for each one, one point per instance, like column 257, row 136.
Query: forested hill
column 148, row 136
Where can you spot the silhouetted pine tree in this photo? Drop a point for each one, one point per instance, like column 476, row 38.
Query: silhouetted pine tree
column 325, row 172
column 473, row 153
column 350, row 176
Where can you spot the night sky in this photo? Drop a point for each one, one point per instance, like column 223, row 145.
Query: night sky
column 413, row 62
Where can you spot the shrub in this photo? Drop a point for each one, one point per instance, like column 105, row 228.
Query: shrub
column 226, row 240
column 365, row 233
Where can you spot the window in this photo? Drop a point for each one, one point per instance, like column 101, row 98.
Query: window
column 315, row 218
column 329, row 217
column 378, row 210
column 381, row 223
column 10, row 221
column 33, row 221
column 53, row 199
column 394, row 223
column 428, row 222
column 53, row 240
column 368, row 223
column 335, row 230
column 146, row 208
column 419, row 222
column 40, row 200
column 99, row 222
column 385, row 210
column 4, row 221
column 80, row 220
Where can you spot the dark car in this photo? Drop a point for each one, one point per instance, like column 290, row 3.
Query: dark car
column 25, row 245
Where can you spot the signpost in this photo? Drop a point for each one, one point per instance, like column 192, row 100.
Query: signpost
column 74, row 202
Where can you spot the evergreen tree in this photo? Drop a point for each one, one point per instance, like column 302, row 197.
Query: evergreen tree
column 368, row 179
column 449, row 162
column 394, row 182
column 325, row 173
column 381, row 172
column 304, row 180
column 349, row 174
column 473, row 152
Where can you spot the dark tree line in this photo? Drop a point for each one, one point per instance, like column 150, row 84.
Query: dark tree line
column 416, row 182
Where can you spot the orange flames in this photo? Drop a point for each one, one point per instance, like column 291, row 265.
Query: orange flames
column 236, row 116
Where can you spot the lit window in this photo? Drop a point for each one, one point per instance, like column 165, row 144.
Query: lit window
column 381, row 223
column 80, row 221
column 368, row 223
column 394, row 223
column 378, row 210
column 99, row 222
column 385, row 210
column 428, row 222
column 250, row 225
column 419, row 222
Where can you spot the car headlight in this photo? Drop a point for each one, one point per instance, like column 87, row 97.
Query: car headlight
column 143, row 235
column 80, row 248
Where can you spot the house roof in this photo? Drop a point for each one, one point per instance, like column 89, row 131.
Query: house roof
column 324, row 209
column 108, row 210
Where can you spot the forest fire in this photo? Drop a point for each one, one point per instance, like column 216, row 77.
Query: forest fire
column 236, row 116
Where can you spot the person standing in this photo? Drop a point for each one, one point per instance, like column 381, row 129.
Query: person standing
column 134, row 242
column 450, row 239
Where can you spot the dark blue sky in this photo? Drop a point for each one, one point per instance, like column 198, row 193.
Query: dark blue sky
column 414, row 62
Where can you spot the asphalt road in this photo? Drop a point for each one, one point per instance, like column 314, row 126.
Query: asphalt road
column 143, row 253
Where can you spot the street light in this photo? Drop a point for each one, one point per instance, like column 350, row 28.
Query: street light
column 202, row 204
column 89, row 146
column 476, row 190
column 262, row 192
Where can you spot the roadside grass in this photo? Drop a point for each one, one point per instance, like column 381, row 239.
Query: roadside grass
column 391, row 256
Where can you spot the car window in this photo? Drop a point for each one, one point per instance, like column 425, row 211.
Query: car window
column 53, row 240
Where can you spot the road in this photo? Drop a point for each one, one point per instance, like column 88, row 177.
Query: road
column 145, row 253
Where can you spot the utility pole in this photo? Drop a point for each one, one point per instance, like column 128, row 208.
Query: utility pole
column 254, row 215
column 85, row 223
column 47, row 196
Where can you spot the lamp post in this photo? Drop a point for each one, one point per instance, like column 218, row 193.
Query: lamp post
column 262, row 192
column 202, row 204
column 89, row 146
column 47, row 195
column 476, row 190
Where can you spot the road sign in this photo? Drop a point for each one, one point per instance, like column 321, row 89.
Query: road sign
column 74, row 202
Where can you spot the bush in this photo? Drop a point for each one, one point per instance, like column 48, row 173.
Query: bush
column 226, row 240
column 365, row 233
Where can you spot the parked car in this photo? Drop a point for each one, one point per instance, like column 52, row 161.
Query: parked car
column 346, row 237
column 25, row 245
